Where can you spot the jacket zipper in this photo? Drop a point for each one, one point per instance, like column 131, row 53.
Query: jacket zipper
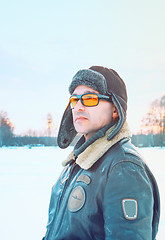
column 65, row 186
column 64, row 190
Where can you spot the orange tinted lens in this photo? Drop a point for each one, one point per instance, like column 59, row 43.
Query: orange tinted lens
column 73, row 101
column 90, row 100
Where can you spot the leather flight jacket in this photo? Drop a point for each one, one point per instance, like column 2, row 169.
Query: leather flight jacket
column 115, row 198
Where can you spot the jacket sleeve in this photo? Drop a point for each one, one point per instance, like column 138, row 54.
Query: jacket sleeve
column 128, row 183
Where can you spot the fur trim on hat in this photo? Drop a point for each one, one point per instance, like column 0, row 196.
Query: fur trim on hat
column 89, row 78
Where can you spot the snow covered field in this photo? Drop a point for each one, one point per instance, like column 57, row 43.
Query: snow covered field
column 26, row 178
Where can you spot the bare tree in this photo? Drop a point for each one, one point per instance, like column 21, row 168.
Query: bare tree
column 162, row 119
column 154, row 121
column 49, row 124
column 6, row 129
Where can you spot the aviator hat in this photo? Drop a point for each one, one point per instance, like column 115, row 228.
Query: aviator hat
column 105, row 81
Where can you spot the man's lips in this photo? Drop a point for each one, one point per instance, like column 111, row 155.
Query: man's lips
column 79, row 118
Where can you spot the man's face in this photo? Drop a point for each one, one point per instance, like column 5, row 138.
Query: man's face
column 88, row 120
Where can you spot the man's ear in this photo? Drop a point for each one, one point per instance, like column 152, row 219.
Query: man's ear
column 115, row 114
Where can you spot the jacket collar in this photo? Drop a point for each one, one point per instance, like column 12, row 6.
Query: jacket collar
column 97, row 149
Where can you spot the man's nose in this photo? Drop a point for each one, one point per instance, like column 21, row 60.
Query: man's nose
column 79, row 106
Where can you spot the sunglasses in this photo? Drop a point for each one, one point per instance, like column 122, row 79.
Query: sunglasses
column 88, row 99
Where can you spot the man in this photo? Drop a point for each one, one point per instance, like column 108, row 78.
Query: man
column 105, row 191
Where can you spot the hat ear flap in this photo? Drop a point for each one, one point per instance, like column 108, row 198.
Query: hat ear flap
column 67, row 131
column 120, row 122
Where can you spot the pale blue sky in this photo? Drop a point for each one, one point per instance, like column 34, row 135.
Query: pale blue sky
column 44, row 43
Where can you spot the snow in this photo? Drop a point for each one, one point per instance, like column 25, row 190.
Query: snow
column 26, row 178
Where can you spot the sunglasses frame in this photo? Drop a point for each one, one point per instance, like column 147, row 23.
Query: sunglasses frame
column 100, row 96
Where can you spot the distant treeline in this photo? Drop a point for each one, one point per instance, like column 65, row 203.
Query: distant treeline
column 138, row 140
column 150, row 140
column 31, row 141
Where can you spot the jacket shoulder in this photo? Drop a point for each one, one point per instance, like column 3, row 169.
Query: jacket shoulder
column 125, row 151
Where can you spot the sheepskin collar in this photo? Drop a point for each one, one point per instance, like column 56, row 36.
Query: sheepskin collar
column 97, row 149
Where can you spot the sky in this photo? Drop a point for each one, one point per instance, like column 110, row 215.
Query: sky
column 44, row 43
